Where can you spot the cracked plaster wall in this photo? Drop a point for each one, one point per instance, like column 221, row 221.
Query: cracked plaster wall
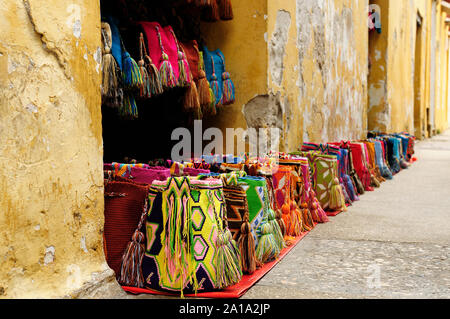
column 321, row 53
column 51, row 150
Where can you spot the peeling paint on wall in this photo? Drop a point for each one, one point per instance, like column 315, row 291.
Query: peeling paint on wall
column 277, row 46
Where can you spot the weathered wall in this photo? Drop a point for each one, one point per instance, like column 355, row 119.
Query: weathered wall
column 420, row 68
column 243, row 43
column 332, row 54
column 441, row 74
column 407, row 81
column 400, row 70
column 391, row 79
column 51, row 208
column 309, row 80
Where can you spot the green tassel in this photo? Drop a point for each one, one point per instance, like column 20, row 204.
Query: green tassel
column 279, row 238
column 132, row 77
column 129, row 108
column 228, row 267
column 268, row 248
column 337, row 199
column 166, row 75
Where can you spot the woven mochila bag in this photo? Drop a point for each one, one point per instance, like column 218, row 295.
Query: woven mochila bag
column 264, row 227
column 308, row 199
column 344, row 172
column 299, row 201
column 237, row 218
column 376, row 171
column 394, row 154
column 359, row 164
column 325, row 181
column 188, row 249
column 166, row 55
column 332, row 149
column 265, row 170
column 131, row 78
column 219, row 79
column 379, row 158
column 291, row 214
column 124, row 206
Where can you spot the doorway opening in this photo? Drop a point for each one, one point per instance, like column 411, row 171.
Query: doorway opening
column 418, row 128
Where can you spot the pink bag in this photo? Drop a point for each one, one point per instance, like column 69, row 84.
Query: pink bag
column 161, row 40
column 148, row 175
column 189, row 171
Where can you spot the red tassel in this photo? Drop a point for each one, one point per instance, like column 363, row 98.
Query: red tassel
column 130, row 271
column 211, row 12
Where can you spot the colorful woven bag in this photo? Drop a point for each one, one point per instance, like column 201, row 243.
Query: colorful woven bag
column 325, row 181
column 219, row 79
column 291, row 215
column 163, row 51
column 124, row 205
column 188, row 249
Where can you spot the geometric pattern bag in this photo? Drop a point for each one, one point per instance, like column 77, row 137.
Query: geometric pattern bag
column 325, row 181
column 186, row 238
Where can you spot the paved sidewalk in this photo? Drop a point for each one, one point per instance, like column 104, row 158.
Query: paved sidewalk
column 394, row 243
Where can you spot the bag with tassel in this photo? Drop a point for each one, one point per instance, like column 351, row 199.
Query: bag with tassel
column 151, row 85
column 296, row 192
column 239, row 225
column 124, row 206
column 131, row 78
column 359, row 164
column 254, row 188
column 163, row 51
column 284, row 204
column 308, row 195
column 325, row 181
column 379, row 158
column 237, row 218
column 188, row 249
column 111, row 92
column 214, row 69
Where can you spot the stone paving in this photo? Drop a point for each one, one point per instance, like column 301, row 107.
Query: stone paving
column 394, row 243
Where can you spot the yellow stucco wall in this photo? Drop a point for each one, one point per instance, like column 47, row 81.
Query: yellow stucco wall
column 242, row 41
column 51, row 208
column 305, row 71
column 441, row 76
column 400, row 80
column 400, row 71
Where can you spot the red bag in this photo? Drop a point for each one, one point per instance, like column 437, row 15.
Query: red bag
column 124, row 204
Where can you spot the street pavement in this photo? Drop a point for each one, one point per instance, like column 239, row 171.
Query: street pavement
column 394, row 243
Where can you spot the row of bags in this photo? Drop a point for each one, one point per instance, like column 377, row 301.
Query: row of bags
column 164, row 63
column 199, row 226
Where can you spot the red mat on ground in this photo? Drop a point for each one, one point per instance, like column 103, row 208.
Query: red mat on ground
column 235, row 291
column 334, row 213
